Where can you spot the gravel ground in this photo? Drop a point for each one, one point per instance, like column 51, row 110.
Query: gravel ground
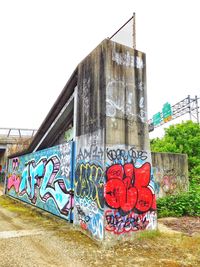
column 29, row 237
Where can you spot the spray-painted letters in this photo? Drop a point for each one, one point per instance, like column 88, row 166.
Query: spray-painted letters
column 89, row 182
column 129, row 191
column 127, row 188
column 41, row 180
column 122, row 155
column 89, row 197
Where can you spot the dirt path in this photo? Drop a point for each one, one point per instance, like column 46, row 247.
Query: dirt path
column 32, row 238
column 188, row 225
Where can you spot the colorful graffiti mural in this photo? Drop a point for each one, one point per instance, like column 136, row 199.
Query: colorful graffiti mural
column 127, row 188
column 129, row 191
column 113, row 182
column 89, row 182
column 119, row 224
column 169, row 181
column 44, row 179
column 89, row 186
column 89, row 197
column 170, row 171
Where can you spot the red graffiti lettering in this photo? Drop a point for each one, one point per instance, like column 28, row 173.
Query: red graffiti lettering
column 127, row 188
column 83, row 225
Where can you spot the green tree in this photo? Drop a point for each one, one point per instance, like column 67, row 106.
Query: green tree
column 182, row 138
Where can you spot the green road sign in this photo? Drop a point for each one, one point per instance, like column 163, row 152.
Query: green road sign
column 166, row 110
column 157, row 119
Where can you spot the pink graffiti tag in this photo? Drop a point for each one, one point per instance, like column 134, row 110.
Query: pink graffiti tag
column 14, row 181
column 15, row 163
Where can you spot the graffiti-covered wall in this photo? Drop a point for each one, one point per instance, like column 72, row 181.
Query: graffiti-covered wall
column 129, row 191
column 89, row 185
column 126, row 98
column 44, row 179
column 114, row 187
column 113, row 180
column 90, row 127
column 130, row 204
column 170, row 173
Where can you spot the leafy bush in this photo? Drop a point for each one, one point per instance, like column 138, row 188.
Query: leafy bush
column 185, row 204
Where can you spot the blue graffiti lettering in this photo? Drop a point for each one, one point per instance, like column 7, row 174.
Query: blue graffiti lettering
column 31, row 177
column 44, row 176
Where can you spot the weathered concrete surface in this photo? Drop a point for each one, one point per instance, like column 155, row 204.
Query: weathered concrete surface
column 126, row 97
column 113, row 160
column 14, row 140
column 170, row 173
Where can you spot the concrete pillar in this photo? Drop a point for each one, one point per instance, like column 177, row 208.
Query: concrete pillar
column 114, row 190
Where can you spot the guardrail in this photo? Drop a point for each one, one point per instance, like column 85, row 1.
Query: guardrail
column 17, row 132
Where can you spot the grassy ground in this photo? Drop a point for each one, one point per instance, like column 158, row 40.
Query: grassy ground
column 157, row 248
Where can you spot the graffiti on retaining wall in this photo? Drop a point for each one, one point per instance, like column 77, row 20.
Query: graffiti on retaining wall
column 89, row 182
column 95, row 152
column 13, row 181
column 128, row 60
column 129, row 191
column 90, row 217
column 89, row 197
column 123, row 156
column 119, row 223
column 89, row 185
column 121, row 103
column 127, row 188
column 43, row 179
column 169, row 181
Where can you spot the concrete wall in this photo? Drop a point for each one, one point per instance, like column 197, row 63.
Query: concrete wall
column 114, row 188
column 10, row 145
column 113, row 184
column 130, row 204
column 90, row 144
column 170, row 173
column 44, row 179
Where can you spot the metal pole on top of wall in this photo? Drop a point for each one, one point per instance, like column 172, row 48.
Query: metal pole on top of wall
column 134, row 32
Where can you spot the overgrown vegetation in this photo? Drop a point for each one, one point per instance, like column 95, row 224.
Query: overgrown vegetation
column 185, row 204
column 2, row 175
column 182, row 138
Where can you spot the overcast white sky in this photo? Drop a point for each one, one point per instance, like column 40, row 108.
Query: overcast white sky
column 42, row 41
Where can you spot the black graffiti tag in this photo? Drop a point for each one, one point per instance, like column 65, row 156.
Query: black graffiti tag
column 131, row 155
